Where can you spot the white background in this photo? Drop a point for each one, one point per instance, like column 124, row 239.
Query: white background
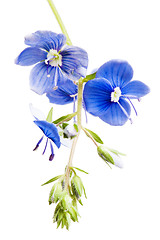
column 122, row 203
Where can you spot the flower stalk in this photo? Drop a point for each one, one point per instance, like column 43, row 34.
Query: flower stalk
column 59, row 20
column 79, row 108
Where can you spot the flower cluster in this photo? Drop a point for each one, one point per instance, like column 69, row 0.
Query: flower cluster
column 60, row 72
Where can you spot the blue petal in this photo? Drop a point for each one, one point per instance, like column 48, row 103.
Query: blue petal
column 62, row 95
column 30, row 56
column 118, row 72
column 50, row 130
column 97, row 96
column 43, row 78
column 74, row 62
column 46, row 40
column 135, row 89
column 117, row 114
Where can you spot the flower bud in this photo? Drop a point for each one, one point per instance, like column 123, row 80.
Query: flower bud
column 77, row 186
column 110, row 156
column 56, row 193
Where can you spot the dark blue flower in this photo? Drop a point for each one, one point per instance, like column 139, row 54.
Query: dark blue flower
column 53, row 60
column 64, row 94
column 109, row 95
column 51, row 132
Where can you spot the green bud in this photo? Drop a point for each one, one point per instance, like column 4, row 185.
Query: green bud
column 56, row 211
column 73, row 213
column 68, row 220
column 109, row 156
column 77, row 186
column 66, row 201
column 56, row 193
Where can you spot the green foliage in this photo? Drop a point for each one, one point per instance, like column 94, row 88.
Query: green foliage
column 49, row 116
column 52, row 180
column 94, row 135
column 66, row 196
column 65, row 118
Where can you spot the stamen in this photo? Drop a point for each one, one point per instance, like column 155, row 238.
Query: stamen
column 38, row 144
column 52, row 153
column 55, row 88
column 132, row 106
column 74, row 95
column 45, row 147
column 124, row 111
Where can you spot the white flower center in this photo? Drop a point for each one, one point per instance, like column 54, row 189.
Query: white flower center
column 54, row 58
column 115, row 95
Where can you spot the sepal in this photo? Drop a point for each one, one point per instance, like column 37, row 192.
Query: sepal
column 110, row 156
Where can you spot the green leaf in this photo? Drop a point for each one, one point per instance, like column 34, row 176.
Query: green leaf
column 65, row 118
column 80, row 170
column 52, row 180
column 49, row 117
column 76, row 127
column 89, row 77
column 94, row 135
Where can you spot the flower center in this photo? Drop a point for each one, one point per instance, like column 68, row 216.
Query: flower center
column 115, row 95
column 54, row 58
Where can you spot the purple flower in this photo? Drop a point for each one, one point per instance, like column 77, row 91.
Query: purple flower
column 109, row 95
column 54, row 60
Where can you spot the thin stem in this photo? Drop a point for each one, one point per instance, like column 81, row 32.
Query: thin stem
column 90, row 136
column 79, row 103
column 79, row 108
column 59, row 20
column 67, row 174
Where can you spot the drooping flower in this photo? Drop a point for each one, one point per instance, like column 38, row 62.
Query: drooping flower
column 49, row 130
column 53, row 60
column 109, row 95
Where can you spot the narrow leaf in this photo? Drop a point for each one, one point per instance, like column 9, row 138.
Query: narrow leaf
column 52, row 180
column 49, row 117
column 80, row 170
column 94, row 135
column 89, row 77
column 65, row 118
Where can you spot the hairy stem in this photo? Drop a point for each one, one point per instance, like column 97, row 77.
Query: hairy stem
column 59, row 20
column 79, row 108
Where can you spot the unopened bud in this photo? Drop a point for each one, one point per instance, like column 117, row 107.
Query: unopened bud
column 110, row 156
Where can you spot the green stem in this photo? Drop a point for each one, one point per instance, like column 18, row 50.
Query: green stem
column 59, row 20
column 79, row 108
column 79, row 103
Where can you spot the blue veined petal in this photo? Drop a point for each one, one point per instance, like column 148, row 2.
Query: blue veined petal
column 30, row 56
column 64, row 94
column 118, row 72
column 46, row 40
column 43, row 78
column 50, row 130
column 97, row 96
column 135, row 89
column 74, row 62
column 117, row 114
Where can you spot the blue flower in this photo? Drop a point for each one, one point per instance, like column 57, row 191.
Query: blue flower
column 109, row 95
column 51, row 132
column 64, row 94
column 54, row 60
